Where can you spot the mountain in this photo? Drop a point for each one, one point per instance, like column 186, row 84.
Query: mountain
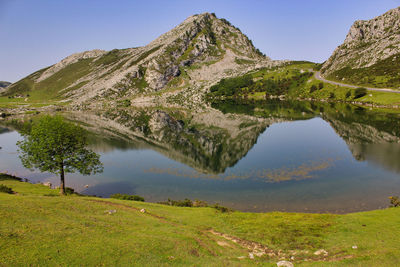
column 370, row 54
column 3, row 85
column 208, row 145
column 198, row 52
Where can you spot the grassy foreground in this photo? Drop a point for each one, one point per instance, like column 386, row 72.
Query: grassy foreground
column 40, row 228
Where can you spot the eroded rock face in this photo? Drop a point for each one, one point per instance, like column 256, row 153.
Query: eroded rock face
column 367, row 42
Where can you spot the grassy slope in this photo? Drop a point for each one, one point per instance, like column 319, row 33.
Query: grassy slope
column 303, row 90
column 40, row 228
column 383, row 74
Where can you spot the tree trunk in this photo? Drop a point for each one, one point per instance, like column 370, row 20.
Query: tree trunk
column 62, row 183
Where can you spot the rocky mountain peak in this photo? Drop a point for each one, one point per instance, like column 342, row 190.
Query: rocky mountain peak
column 376, row 28
column 367, row 43
column 201, row 49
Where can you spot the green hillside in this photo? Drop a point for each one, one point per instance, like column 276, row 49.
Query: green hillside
column 41, row 228
column 295, row 81
column 383, row 74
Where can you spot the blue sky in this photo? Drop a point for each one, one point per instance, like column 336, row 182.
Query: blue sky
column 36, row 34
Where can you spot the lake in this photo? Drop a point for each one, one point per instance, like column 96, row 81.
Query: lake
column 256, row 156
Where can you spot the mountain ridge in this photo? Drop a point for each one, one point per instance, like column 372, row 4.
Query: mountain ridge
column 370, row 53
column 181, row 57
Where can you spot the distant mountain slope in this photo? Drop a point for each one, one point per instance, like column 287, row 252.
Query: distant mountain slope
column 201, row 49
column 3, row 85
column 370, row 54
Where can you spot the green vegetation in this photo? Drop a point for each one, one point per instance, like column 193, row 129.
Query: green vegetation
column 261, row 82
column 295, row 81
column 385, row 121
column 207, row 30
column 144, row 55
column 360, row 92
column 231, row 86
column 38, row 227
column 56, row 146
column 241, row 61
column 394, row 201
column 383, row 74
column 111, row 57
column 131, row 82
column 197, row 203
column 50, row 88
column 5, row 189
column 127, row 197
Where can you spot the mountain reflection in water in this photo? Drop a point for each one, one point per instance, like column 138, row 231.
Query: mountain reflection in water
column 255, row 156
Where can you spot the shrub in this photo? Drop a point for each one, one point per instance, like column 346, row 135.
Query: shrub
column 320, row 85
column 181, row 203
column 360, row 92
column 199, row 203
column 124, row 103
column 313, row 88
column 348, row 93
column 221, row 208
column 394, row 201
column 228, row 86
column 127, row 197
column 5, row 189
column 331, row 95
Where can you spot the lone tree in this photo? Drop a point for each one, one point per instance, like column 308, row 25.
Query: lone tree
column 56, row 146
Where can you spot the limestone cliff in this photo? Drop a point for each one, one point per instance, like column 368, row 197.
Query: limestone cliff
column 366, row 47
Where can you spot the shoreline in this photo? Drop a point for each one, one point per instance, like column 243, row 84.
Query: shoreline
column 49, row 185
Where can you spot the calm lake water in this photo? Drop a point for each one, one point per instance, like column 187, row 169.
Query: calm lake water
column 310, row 158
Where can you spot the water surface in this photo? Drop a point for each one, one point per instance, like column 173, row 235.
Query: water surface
column 313, row 158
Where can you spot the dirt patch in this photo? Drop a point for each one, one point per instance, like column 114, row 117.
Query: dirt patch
column 162, row 219
column 255, row 248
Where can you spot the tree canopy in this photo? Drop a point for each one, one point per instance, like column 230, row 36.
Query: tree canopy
column 57, row 146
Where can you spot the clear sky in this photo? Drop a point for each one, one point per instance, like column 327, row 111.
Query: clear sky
column 36, row 34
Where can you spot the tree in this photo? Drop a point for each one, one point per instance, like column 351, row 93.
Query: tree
column 360, row 92
column 56, row 146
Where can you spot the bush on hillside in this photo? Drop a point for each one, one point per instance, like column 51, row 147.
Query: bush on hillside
column 360, row 92
column 127, row 197
column 313, row 88
column 5, row 189
column 221, row 208
column 394, row 201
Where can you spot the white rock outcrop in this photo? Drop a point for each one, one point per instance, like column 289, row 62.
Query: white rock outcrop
column 367, row 42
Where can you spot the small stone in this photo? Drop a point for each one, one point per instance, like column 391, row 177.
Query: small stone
column 354, row 247
column 48, row 184
column 143, row 211
column 284, row 264
column 110, row 211
column 259, row 253
column 241, row 257
column 321, row 252
column 292, row 258
column 251, row 256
